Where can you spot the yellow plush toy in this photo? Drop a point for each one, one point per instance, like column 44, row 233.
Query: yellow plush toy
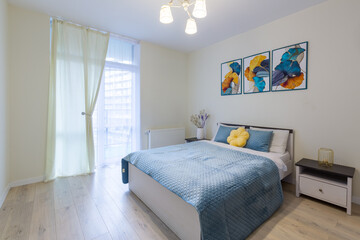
column 238, row 137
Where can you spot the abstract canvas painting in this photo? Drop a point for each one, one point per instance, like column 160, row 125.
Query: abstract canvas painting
column 257, row 73
column 231, row 77
column 290, row 68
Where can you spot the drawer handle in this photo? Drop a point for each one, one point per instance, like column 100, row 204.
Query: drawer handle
column 320, row 190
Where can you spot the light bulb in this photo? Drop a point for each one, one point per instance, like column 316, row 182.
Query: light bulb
column 191, row 26
column 165, row 14
column 200, row 9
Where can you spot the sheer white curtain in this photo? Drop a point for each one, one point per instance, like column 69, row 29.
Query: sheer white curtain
column 77, row 62
column 95, row 49
column 117, row 118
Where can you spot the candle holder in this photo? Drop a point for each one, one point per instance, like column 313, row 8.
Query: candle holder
column 326, row 157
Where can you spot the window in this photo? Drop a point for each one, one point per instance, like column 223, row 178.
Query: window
column 116, row 116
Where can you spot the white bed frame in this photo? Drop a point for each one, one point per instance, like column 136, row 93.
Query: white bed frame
column 181, row 217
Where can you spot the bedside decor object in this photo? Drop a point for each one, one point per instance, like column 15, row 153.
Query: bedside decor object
column 200, row 133
column 333, row 185
column 238, row 137
column 290, row 68
column 199, row 120
column 257, row 73
column 198, row 12
column 326, row 157
column 231, row 77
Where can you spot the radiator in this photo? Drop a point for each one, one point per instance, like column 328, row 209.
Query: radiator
column 165, row 137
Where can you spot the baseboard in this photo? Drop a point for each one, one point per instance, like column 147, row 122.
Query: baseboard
column 4, row 194
column 18, row 184
column 27, row 181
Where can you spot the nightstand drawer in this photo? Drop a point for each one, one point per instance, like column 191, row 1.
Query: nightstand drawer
column 323, row 191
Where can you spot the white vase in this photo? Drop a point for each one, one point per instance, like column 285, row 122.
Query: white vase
column 200, row 133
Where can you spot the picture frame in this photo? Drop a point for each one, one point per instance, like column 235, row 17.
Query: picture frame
column 290, row 68
column 256, row 71
column 231, row 78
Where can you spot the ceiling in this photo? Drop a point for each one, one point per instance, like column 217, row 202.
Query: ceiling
column 139, row 19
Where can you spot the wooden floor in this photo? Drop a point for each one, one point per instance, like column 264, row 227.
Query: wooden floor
column 100, row 207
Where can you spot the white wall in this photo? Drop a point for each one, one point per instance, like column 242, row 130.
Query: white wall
column 163, row 83
column 325, row 115
column 4, row 156
column 163, row 88
column 29, row 47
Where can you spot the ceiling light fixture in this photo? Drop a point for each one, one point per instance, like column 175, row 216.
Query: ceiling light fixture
column 199, row 11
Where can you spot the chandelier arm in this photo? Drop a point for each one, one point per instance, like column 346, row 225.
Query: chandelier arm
column 179, row 3
column 187, row 11
column 175, row 4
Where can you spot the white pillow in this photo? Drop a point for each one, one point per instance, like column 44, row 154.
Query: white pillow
column 219, row 124
column 279, row 140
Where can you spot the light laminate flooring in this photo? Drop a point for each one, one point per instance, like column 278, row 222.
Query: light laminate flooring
column 100, row 207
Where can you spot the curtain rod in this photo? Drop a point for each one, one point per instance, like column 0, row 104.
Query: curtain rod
column 100, row 30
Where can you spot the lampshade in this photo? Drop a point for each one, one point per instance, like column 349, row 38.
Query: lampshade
column 191, row 26
column 165, row 14
column 200, row 9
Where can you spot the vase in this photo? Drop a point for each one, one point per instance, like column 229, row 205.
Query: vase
column 326, row 157
column 200, row 133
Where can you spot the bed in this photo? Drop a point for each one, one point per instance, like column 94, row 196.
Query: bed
column 183, row 216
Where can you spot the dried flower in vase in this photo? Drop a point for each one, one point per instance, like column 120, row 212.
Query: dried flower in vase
column 199, row 120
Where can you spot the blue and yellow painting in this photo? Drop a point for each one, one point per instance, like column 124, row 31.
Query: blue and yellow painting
column 290, row 68
column 231, row 77
column 257, row 73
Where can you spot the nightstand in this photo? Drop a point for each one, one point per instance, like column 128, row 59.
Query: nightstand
column 193, row 139
column 330, row 184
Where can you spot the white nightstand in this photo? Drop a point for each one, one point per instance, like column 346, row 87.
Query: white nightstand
column 330, row 184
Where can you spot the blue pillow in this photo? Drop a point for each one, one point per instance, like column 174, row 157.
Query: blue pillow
column 223, row 133
column 259, row 140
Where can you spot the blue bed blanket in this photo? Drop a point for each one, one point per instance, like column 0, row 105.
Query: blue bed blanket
column 233, row 192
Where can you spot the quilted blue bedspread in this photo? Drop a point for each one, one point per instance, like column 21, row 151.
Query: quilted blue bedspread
column 233, row 192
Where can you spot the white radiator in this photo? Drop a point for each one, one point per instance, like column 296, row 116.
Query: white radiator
column 165, row 137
